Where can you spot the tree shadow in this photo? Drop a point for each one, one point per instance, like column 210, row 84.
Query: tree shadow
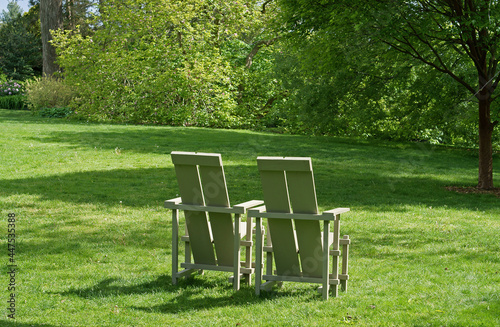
column 119, row 187
column 148, row 187
column 191, row 293
column 342, row 166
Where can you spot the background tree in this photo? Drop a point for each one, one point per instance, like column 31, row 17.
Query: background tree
column 20, row 44
column 170, row 62
column 457, row 38
column 50, row 19
column 14, row 11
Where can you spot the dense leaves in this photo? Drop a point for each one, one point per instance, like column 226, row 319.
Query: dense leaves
column 20, row 47
column 357, row 68
column 402, row 44
column 166, row 62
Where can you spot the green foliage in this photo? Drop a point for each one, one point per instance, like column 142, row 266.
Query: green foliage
column 16, row 102
column 165, row 62
column 344, row 78
column 20, row 48
column 47, row 92
column 54, row 112
column 11, row 94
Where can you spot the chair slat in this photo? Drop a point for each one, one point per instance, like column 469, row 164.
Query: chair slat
column 281, row 164
column 193, row 159
column 213, row 182
column 196, row 222
column 303, row 200
column 215, row 193
column 282, row 233
column 223, row 233
column 302, row 191
column 310, row 247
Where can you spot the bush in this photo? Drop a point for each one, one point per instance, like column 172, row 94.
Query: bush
column 8, row 88
column 16, row 102
column 55, row 112
column 150, row 69
column 11, row 94
column 47, row 92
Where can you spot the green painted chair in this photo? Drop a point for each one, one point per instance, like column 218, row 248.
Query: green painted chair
column 211, row 236
column 300, row 248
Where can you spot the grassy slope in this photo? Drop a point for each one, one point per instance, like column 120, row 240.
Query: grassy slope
column 93, row 241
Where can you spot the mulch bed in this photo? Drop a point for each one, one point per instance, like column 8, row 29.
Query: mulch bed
column 468, row 190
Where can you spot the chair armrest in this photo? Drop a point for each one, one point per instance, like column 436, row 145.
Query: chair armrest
column 255, row 211
column 243, row 207
column 239, row 209
column 172, row 203
column 335, row 212
column 327, row 215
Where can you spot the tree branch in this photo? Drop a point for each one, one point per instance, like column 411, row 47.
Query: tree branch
column 256, row 49
column 415, row 54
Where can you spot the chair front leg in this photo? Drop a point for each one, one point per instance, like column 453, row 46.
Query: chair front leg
column 345, row 262
column 248, row 252
column 236, row 258
column 326, row 259
column 258, row 254
column 175, row 245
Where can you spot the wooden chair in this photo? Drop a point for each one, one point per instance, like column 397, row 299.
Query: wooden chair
column 294, row 230
column 215, row 243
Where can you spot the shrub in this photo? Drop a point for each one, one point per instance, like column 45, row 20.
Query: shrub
column 47, row 92
column 9, row 88
column 152, row 69
column 11, row 94
column 17, row 102
column 54, row 112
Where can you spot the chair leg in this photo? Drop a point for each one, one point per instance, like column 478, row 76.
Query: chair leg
column 345, row 263
column 326, row 259
column 248, row 251
column 175, row 245
column 258, row 254
column 236, row 259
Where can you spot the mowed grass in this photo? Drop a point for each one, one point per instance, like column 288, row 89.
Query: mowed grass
column 94, row 241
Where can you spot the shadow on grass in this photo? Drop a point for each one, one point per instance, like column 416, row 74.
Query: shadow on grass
column 193, row 293
column 111, row 287
column 150, row 187
column 120, row 187
column 353, row 173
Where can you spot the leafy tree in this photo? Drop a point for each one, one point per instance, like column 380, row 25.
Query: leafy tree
column 456, row 38
column 14, row 11
column 167, row 62
column 20, row 48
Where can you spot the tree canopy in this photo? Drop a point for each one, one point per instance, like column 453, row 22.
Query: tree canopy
column 14, row 11
column 20, row 45
column 398, row 41
column 168, row 62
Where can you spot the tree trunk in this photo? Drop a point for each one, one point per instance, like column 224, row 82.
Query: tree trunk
column 50, row 19
column 485, row 146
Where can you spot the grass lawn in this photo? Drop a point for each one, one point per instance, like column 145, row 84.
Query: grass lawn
column 93, row 239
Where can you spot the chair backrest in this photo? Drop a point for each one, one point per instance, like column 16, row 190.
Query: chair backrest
column 202, row 181
column 288, row 187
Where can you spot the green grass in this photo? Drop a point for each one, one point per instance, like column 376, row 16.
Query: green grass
column 93, row 239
